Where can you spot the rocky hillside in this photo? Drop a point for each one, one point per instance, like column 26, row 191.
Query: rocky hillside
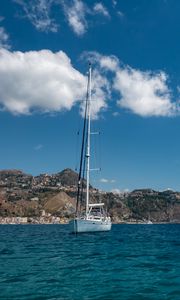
column 145, row 205
column 23, row 195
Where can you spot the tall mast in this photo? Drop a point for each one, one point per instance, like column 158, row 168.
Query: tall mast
column 88, row 139
column 83, row 151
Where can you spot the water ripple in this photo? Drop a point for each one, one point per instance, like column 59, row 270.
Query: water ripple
column 130, row 262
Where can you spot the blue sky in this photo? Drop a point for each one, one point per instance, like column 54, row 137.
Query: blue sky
column 134, row 47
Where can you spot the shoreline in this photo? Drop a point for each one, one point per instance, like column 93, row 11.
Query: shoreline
column 49, row 219
column 120, row 223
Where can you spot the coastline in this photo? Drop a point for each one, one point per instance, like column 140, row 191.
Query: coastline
column 63, row 221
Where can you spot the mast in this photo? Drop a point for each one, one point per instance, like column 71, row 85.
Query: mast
column 88, row 139
column 83, row 152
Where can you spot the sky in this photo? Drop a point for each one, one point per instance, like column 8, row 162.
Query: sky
column 134, row 48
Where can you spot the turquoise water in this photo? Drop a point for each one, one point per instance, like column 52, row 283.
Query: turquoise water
column 130, row 262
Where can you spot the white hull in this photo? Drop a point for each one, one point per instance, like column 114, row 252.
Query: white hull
column 85, row 225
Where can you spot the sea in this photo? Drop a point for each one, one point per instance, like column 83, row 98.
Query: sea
column 131, row 262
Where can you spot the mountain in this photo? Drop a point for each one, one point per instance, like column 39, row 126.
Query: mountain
column 68, row 177
column 25, row 195
column 145, row 205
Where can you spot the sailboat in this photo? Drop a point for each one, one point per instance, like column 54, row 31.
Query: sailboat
column 94, row 218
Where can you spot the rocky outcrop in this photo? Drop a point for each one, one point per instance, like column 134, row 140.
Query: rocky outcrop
column 60, row 204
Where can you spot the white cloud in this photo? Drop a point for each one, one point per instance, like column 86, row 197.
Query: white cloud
column 144, row 93
column 105, row 180
column 46, row 82
column 115, row 114
column 77, row 13
column 4, row 38
column 76, row 16
column 38, row 12
column 99, row 8
column 100, row 93
column 38, row 80
column 108, row 63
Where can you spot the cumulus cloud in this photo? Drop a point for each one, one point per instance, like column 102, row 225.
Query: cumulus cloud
column 101, row 92
column 143, row 93
column 47, row 82
column 38, row 12
column 99, row 8
column 109, row 63
column 76, row 16
column 38, row 80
